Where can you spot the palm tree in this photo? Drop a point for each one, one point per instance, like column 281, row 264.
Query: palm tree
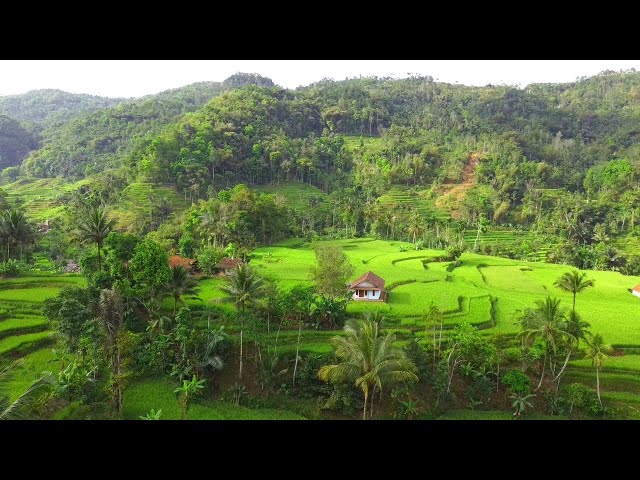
column 597, row 351
column 368, row 359
column 576, row 326
column 94, row 226
column 547, row 322
column 17, row 410
column 180, row 283
column 243, row 288
column 15, row 230
column 574, row 282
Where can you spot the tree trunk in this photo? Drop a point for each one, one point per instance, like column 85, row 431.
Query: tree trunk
column 574, row 302
column 598, row 385
column 544, row 364
column 240, row 371
column 295, row 366
column 99, row 259
column 366, row 399
column 371, row 406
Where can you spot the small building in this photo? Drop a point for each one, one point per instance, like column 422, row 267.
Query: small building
column 636, row 291
column 228, row 264
column 178, row 261
column 44, row 227
column 369, row 287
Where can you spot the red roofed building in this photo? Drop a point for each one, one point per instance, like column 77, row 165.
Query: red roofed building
column 636, row 291
column 227, row 264
column 368, row 287
column 177, row 260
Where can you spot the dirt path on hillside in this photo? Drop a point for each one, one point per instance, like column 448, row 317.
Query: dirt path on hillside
column 452, row 194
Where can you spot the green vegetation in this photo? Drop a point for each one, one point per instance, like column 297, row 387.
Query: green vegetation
column 220, row 224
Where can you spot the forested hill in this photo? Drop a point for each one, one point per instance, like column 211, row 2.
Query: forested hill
column 38, row 109
column 15, row 142
column 392, row 158
column 104, row 138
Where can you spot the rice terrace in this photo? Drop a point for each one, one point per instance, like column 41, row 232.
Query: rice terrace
column 370, row 248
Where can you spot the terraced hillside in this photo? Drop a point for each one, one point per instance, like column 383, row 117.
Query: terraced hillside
column 40, row 198
column 24, row 331
column 139, row 197
column 409, row 200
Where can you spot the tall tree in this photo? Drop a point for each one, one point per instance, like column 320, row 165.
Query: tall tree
column 574, row 282
column 110, row 311
column 332, row 271
column 180, row 283
column 597, row 352
column 547, row 322
column 93, row 226
column 15, row 231
column 243, row 288
column 368, row 359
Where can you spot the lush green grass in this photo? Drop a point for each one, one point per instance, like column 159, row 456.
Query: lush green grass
column 623, row 363
column 609, row 307
column 23, row 342
column 31, row 368
column 29, row 294
column 142, row 396
column 493, row 415
column 16, row 324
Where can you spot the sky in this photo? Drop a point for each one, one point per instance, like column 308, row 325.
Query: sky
column 134, row 78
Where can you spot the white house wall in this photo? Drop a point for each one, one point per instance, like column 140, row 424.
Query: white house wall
column 637, row 294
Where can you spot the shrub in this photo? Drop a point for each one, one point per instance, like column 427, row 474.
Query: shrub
column 345, row 398
column 517, row 382
column 10, row 268
column 209, row 258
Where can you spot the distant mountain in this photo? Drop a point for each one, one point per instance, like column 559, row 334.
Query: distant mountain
column 15, row 142
column 38, row 109
column 102, row 139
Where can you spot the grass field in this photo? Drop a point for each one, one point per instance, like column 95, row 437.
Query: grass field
column 24, row 331
column 141, row 397
column 609, row 306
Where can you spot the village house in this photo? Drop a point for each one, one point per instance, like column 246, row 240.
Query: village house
column 228, row 264
column 636, row 291
column 368, row 287
column 178, row 261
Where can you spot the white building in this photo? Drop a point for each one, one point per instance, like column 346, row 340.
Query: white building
column 636, row 291
column 368, row 287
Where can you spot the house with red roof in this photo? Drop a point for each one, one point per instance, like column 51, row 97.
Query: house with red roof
column 178, row 261
column 636, row 291
column 227, row 264
column 368, row 287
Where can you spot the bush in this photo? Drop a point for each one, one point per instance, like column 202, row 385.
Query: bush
column 307, row 383
column 517, row 382
column 345, row 398
column 10, row 268
column 209, row 258
column 582, row 399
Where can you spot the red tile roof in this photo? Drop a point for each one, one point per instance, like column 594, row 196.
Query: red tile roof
column 369, row 277
column 177, row 260
column 229, row 263
column 636, row 288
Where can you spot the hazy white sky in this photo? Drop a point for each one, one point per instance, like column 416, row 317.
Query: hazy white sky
column 134, row 78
